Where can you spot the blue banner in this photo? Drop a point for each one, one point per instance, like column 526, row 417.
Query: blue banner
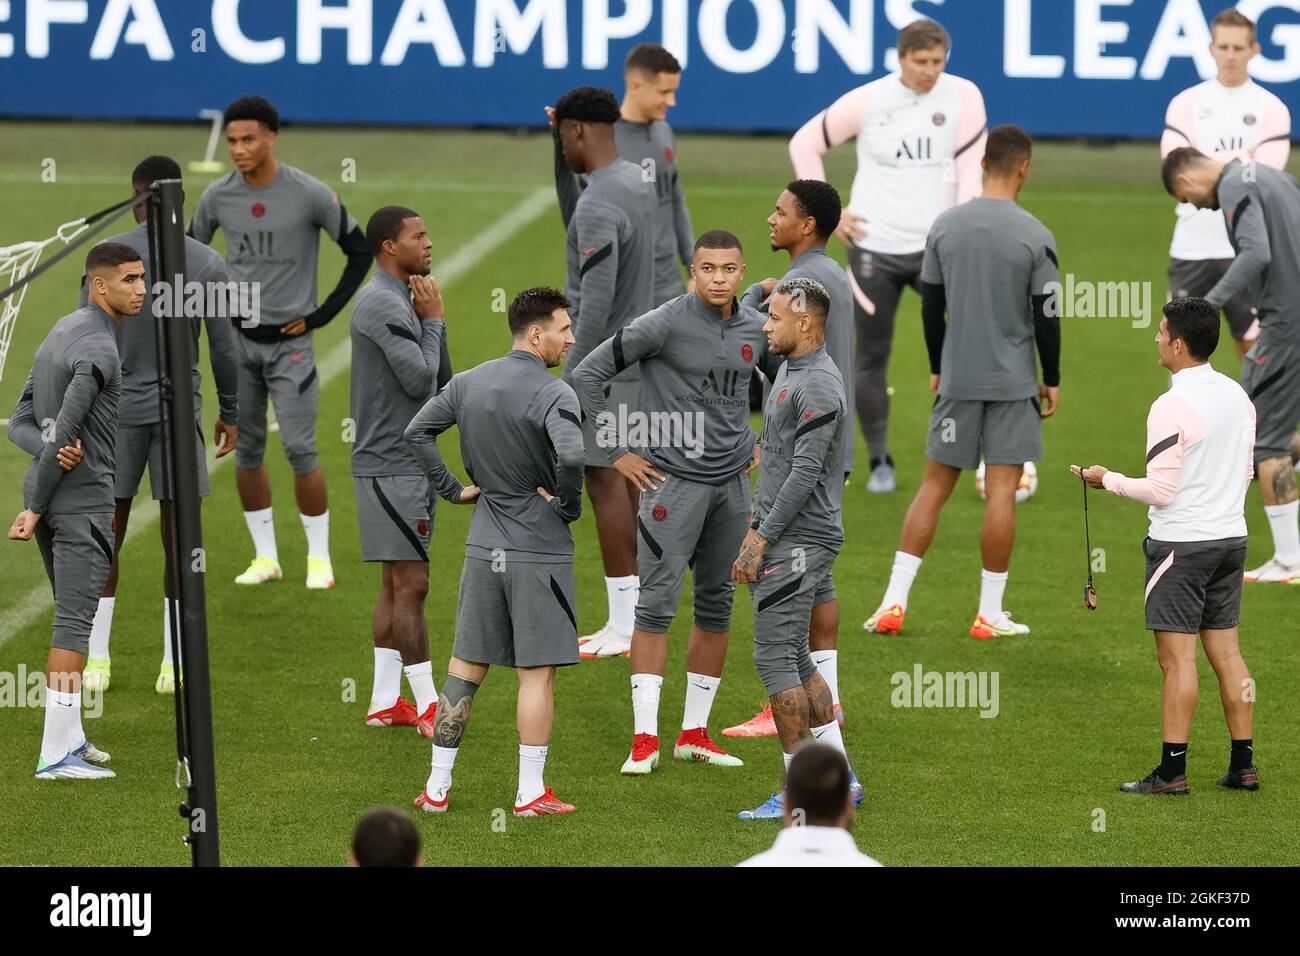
column 1056, row 67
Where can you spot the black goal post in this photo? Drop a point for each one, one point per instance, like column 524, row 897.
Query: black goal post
column 181, row 441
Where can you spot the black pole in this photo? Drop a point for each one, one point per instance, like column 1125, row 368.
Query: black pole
column 189, row 557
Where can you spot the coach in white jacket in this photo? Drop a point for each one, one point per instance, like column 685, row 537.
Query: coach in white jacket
column 1199, row 462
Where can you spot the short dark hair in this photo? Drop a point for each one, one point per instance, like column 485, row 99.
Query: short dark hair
column 1177, row 161
column 153, row 168
column 819, row 200
column 923, row 34
column 1008, row 146
column 385, row 224
column 718, row 239
column 1233, row 18
column 109, row 255
column 535, row 306
column 385, row 836
column 817, row 782
column 651, row 58
column 809, row 295
column 587, row 104
column 1196, row 322
column 253, row 108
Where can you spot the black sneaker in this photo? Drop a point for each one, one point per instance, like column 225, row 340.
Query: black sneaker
column 1154, row 783
column 1245, row 779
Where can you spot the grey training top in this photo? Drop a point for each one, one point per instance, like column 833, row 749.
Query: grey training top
column 71, row 393
column 695, row 370
column 1262, row 208
column 652, row 147
column 395, row 365
column 610, row 256
column 519, row 430
column 805, row 424
column 137, row 341
column 816, row 264
column 273, row 235
column 991, row 257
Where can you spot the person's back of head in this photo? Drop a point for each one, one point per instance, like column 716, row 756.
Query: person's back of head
column 385, row 836
column 817, row 788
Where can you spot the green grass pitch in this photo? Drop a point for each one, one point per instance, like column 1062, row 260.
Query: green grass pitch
column 1079, row 698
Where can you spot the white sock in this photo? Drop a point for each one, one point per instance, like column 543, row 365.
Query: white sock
column 439, row 782
column 532, row 765
column 826, row 663
column 830, row 735
column 645, row 703
column 62, row 725
column 787, row 758
column 261, row 527
column 388, row 679
column 700, row 691
column 992, row 586
column 420, row 677
column 101, row 628
column 318, row 535
column 900, row 579
column 622, row 594
column 1286, row 532
column 167, row 630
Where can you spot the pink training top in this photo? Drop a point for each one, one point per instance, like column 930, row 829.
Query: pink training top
column 1200, row 459
column 918, row 154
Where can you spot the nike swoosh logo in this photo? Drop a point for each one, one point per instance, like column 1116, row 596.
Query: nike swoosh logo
column 1177, row 753
column 770, row 570
column 702, row 686
column 630, row 587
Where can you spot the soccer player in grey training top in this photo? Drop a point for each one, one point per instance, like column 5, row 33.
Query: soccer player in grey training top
column 992, row 266
column 697, row 353
column 398, row 335
column 521, row 442
column 139, row 430
column 797, row 528
column 643, row 136
column 272, row 215
column 66, row 419
column 806, row 215
column 610, row 258
column 1262, row 208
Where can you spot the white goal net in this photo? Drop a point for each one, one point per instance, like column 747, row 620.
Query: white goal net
column 16, row 263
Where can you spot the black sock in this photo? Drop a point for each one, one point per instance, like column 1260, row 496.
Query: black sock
column 882, row 460
column 1243, row 754
column 1173, row 760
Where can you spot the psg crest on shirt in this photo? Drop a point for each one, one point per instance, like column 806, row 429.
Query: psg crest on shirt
column 1249, row 119
column 747, row 353
column 939, row 119
column 659, row 513
column 258, row 210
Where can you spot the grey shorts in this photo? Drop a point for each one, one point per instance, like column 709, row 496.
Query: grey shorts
column 516, row 613
column 395, row 515
column 784, row 596
column 77, row 550
column 1003, row 433
column 1194, row 585
column 622, row 398
column 690, row 524
column 1270, row 374
column 1197, row 277
column 286, row 371
column 141, row 445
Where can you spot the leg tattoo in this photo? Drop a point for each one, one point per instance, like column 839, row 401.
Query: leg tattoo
column 453, row 711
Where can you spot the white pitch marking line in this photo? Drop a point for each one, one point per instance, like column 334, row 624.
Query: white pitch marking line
column 336, row 361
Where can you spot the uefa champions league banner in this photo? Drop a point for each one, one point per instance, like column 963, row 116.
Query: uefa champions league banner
column 1056, row 67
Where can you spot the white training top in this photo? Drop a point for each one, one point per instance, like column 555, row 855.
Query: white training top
column 812, row 846
column 918, row 154
column 1238, row 122
column 1200, row 459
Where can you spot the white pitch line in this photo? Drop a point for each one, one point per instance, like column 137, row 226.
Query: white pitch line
column 334, row 363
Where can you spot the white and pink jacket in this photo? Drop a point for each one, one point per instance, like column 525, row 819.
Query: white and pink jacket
column 1226, row 122
column 918, row 154
column 1200, row 459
